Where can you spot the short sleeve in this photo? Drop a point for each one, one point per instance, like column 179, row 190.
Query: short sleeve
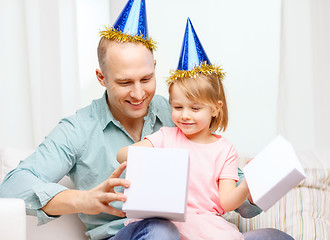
column 157, row 138
column 230, row 167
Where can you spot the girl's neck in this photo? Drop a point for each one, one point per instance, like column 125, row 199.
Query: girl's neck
column 203, row 138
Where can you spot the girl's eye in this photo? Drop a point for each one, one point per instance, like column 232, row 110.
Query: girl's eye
column 177, row 108
column 195, row 108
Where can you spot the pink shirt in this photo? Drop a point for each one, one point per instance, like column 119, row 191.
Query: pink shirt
column 208, row 163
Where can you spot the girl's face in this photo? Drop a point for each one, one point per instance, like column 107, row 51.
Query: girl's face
column 192, row 117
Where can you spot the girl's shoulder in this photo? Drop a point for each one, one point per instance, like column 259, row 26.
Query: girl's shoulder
column 170, row 130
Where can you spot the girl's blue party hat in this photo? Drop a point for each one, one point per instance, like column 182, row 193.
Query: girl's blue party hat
column 192, row 51
column 193, row 59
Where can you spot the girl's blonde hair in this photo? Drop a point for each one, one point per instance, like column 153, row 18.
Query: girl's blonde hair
column 209, row 90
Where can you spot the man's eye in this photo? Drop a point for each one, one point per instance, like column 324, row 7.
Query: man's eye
column 145, row 79
column 124, row 83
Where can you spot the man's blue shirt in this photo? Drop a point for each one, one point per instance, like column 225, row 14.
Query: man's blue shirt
column 84, row 147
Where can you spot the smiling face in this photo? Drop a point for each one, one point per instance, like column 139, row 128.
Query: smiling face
column 192, row 117
column 129, row 79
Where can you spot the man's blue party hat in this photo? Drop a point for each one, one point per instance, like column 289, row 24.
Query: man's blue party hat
column 193, row 59
column 131, row 25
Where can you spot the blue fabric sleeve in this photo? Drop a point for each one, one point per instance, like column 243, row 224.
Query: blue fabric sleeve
column 247, row 209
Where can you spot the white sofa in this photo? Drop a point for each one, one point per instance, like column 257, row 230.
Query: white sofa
column 304, row 212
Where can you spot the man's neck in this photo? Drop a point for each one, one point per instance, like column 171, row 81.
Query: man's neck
column 134, row 128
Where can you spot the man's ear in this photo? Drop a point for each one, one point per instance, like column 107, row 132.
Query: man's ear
column 100, row 77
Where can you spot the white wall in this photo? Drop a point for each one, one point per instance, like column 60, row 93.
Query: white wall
column 92, row 16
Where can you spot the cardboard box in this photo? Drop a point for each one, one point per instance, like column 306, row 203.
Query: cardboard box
column 273, row 172
column 159, row 183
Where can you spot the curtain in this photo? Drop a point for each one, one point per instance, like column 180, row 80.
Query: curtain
column 45, row 72
column 304, row 83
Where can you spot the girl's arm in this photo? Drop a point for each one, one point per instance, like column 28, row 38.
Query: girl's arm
column 231, row 197
column 122, row 153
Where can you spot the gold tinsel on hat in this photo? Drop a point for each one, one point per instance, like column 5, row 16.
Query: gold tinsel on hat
column 204, row 69
column 113, row 34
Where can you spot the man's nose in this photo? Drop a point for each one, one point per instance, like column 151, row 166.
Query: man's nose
column 137, row 92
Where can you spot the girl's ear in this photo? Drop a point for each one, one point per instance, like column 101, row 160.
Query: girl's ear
column 217, row 109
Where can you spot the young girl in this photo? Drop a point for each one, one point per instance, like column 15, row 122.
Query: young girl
column 199, row 108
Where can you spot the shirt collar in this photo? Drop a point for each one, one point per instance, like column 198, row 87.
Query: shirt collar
column 105, row 116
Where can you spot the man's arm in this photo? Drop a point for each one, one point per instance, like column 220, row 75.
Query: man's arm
column 247, row 209
column 35, row 179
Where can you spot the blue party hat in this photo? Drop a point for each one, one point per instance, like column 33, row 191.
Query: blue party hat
column 193, row 58
column 131, row 25
column 192, row 51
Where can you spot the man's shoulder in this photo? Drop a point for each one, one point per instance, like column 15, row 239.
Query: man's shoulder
column 160, row 101
column 84, row 115
column 91, row 111
column 162, row 109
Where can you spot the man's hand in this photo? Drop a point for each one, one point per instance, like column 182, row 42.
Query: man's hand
column 91, row 202
column 97, row 199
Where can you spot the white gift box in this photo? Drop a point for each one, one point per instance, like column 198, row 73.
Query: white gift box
column 159, row 183
column 273, row 172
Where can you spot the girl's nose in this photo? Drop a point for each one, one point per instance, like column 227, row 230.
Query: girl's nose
column 186, row 115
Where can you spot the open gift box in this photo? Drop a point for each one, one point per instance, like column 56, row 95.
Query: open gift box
column 273, row 173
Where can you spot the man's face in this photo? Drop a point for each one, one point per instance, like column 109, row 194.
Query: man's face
column 129, row 79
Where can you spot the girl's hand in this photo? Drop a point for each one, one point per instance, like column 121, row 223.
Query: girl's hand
column 249, row 160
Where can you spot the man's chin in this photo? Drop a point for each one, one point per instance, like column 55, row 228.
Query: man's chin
column 137, row 114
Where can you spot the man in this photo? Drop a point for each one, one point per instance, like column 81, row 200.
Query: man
column 84, row 146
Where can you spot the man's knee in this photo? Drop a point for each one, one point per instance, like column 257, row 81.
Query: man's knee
column 149, row 229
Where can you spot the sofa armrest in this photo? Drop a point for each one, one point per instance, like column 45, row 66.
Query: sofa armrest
column 12, row 219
